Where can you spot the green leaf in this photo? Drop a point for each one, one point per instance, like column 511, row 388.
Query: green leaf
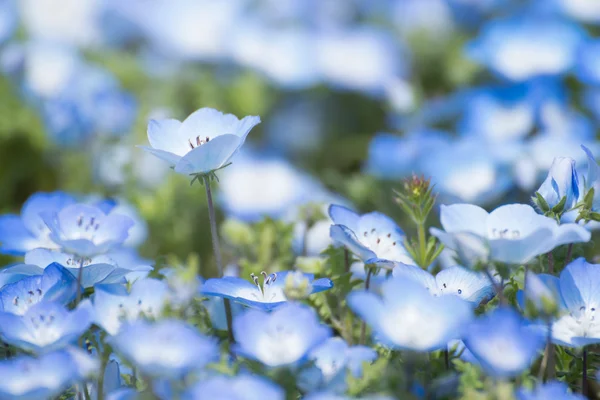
column 560, row 206
column 541, row 202
column 589, row 198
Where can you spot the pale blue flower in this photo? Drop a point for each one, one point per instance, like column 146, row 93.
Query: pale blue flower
column 503, row 343
column 512, row 233
column 468, row 285
column 114, row 305
column 268, row 296
column 554, row 390
column 28, row 378
column 86, row 230
column 283, row 337
column 45, row 326
column 8, row 19
column 407, row 316
column 541, row 291
column 589, row 63
column 205, row 141
column 55, row 284
column 374, row 238
column 562, row 181
column 332, row 360
column 19, row 234
column 240, row 387
column 169, row 348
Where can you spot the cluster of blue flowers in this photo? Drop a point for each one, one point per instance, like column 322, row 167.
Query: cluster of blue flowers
column 84, row 316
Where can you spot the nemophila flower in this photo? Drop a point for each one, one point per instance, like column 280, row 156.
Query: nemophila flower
column 551, row 390
column 86, row 230
column 268, row 296
column 373, row 237
column 503, row 343
column 19, row 234
column 407, row 316
column 114, row 306
column 240, row 387
column 562, row 181
column 542, row 292
column 331, row 362
column 280, row 338
column 468, row 285
column 512, row 233
column 205, row 141
column 166, row 349
column 45, row 326
column 55, row 284
column 28, row 378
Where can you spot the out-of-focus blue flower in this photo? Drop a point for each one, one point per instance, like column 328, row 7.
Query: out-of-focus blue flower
column 332, row 360
column 551, row 390
column 86, row 230
column 166, row 349
column 503, row 343
column 28, row 378
column 562, row 181
column 580, row 296
column 527, row 46
column 587, row 11
column 407, row 316
column 113, row 305
column 512, row 233
column 393, row 156
column 8, row 19
column 282, row 337
column 269, row 295
column 205, row 141
column 55, row 284
column 19, row 234
column 589, row 63
column 373, row 237
column 468, row 285
column 45, row 326
column 542, row 291
column 241, row 387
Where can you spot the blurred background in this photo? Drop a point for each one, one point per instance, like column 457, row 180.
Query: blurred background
column 354, row 95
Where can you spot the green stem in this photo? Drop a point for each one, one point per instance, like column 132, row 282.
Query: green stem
column 422, row 244
column 79, row 278
column 569, row 254
column 550, row 263
column 584, row 389
column 363, row 327
column 217, row 252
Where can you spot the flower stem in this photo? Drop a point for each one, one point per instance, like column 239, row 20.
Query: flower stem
column 550, row 263
column 79, row 278
column 217, row 252
column 447, row 359
column 569, row 253
column 422, row 244
column 584, row 375
column 363, row 327
column 497, row 288
column 347, row 260
column 546, row 371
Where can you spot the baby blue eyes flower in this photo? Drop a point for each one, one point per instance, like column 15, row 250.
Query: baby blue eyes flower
column 268, row 296
column 113, row 305
column 407, row 316
column 19, row 234
column 205, row 141
column 241, row 387
column 503, row 343
column 86, row 230
column 373, row 237
column 468, row 285
column 168, row 349
column 282, row 337
column 45, row 326
column 27, row 378
column 513, row 233
column 551, row 390
column 562, row 181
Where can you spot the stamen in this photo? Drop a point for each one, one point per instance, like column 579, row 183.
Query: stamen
column 190, row 143
column 80, row 220
column 255, row 279
column 198, row 142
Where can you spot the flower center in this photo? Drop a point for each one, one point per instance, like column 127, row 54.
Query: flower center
column 585, row 319
column 266, row 292
column 512, row 234
column 86, row 227
column 199, row 142
column 78, row 261
column 379, row 242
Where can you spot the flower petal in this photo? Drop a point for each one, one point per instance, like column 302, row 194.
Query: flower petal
column 209, row 156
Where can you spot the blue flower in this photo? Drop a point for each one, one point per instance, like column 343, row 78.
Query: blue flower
column 240, row 387
column 407, row 316
column 512, row 233
column 114, row 306
column 270, row 295
column 541, row 291
column 167, row 349
column 45, row 326
column 282, row 337
column 204, row 142
column 468, row 285
column 27, row 378
column 19, row 234
column 373, row 237
column 503, row 343
column 86, row 230
column 562, row 181
column 332, row 360
column 554, row 390
column 589, row 63
column 55, row 284
column 527, row 46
